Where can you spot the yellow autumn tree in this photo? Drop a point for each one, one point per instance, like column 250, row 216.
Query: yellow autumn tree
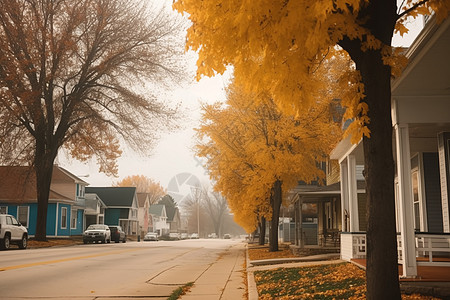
column 276, row 45
column 146, row 185
column 256, row 153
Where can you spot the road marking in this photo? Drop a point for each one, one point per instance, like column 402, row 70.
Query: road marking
column 48, row 262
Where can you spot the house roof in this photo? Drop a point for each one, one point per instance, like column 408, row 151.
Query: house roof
column 171, row 208
column 18, row 184
column 157, row 209
column 142, row 197
column 61, row 175
column 114, row 196
column 317, row 192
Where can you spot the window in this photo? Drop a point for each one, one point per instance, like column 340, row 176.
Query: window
column 63, row 217
column 73, row 219
column 3, row 209
column 80, row 190
column 23, row 215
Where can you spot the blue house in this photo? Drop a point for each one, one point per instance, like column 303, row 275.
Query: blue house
column 121, row 206
column 65, row 212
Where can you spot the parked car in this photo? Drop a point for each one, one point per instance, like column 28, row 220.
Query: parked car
column 117, row 234
column 194, row 236
column 97, row 233
column 184, row 235
column 226, row 236
column 12, row 232
column 174, row 236
column 151, row 236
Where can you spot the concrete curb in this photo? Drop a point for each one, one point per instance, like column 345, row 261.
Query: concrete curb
column 251, row 284
column 277, row 261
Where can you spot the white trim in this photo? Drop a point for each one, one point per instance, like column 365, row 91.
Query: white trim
column 422, row 202
column 76, row 217
column 6, row 207
column 28, row 214
column 63, row 226
column 344, row 195
column 407, row 241
column 421, row 45
column 352, row 194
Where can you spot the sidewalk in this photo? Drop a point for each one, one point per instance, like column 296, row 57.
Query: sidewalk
column 223, row 280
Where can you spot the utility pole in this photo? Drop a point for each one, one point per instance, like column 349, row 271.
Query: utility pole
column 198, row 216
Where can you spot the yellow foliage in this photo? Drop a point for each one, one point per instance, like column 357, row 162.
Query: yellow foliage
column 144, row 184
column 96, row 139
column 275, row 46
column 249, row 144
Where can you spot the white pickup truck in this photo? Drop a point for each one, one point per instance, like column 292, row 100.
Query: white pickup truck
column 12, row 232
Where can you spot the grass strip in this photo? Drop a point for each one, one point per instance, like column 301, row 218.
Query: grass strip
column 182, row 290
column 326, row 282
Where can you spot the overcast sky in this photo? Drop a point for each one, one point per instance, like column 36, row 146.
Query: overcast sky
column 173, row 155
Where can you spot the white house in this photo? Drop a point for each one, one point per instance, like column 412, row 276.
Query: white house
column 159, row 215
column 421, row 127
column 143, row 213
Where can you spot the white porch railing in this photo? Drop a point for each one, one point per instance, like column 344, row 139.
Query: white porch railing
column 353, row 245
column 431, row 249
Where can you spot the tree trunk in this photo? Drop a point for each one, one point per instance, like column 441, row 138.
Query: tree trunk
column 276, row 198
column 43, row 165
column 262, row 231
column 382, row 270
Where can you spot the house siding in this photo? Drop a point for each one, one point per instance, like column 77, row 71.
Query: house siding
column 51, row 219
column 124, row 213
column 32, row 219
column 432, row 192
column 362, row 200
column 66, row 189
column 112, row 216
column 333, row 172
column 346, row 247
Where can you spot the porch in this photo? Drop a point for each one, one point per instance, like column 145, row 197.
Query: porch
column 424, row 273
column 432, row 251
column 316, row 212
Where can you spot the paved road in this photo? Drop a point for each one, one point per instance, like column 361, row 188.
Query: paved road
column 101, row 271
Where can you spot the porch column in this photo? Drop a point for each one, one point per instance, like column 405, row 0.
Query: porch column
column 405, row 199
column 297, row 241
column 352, row 194
column 300, row 223
column 444, row 161
column 344, row 195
